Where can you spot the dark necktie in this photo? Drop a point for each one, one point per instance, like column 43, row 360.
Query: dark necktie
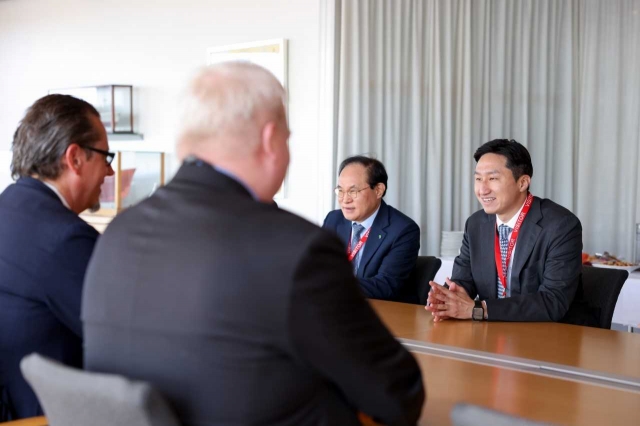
column 356, row 234
column 504, row 231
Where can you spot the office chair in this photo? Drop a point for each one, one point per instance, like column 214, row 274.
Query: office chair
column 473, row 415
column 426, row 269
column 72, row 397
column 601, row 288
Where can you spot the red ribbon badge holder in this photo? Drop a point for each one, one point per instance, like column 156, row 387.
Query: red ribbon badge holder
column 512, row 243
column 358, row 246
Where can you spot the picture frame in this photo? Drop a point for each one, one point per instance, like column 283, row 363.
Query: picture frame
column 271, row 54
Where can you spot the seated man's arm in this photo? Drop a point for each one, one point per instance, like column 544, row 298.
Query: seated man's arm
column 396, row 267
column 334, row 331
column 460, row 288
column 63, row 290
column 559, row 282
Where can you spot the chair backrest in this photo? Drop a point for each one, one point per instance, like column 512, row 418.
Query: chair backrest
column 473, row 415
column 426, row 269
column 72, row 397
column 601, row 288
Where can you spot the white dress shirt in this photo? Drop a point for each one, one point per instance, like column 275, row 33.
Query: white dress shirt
column 55, row 190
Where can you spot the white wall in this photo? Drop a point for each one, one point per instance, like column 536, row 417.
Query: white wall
column 155, row 45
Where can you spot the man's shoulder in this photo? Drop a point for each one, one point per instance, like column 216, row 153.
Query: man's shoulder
column 38, row 204
column 478, row 217
column 299, row 230
column 288, row 220
column 396, row 217
column 552, row 210
column 262, row 217
column 333, row 219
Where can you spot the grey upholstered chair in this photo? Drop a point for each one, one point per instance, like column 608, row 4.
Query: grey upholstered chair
column 71, row 397
column 473, row 415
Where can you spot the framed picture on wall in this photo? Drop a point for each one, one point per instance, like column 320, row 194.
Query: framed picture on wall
column 270, row 54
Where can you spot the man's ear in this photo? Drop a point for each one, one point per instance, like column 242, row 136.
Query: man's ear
column 379, row 189
column 525, row 183
column 73, row 158
column 268, row 140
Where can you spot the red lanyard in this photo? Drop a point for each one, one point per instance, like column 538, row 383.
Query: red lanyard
column 512, row 243
column 358, row 246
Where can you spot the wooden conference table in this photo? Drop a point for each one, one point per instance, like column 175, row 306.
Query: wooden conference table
column 32, row 421
column 557, row 373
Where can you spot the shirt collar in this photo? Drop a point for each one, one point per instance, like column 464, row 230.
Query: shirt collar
column 227, row 173
column 230, row 175
column 368, row 221
column 55, row 190
column 511, row 223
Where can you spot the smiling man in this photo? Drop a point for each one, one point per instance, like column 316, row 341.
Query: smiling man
column 60, row 159
column 382, row 243
column 521, row 255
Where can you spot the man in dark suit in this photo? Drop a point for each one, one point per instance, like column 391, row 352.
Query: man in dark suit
column 533, row 244
column 239, row 312
column 382, row 243
column 59, row 154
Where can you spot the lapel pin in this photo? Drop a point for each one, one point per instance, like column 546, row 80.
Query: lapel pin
column 379, row 236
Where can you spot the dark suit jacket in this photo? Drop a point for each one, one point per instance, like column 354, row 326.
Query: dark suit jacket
column 546, row 267
column 44, row 252
column 240, row 313
column 389, row 255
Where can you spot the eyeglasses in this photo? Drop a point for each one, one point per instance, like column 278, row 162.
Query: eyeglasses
column 108, row 155
column 353, row 193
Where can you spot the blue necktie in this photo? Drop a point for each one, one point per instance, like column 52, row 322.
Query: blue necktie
column 504, row 232
column 356, row 234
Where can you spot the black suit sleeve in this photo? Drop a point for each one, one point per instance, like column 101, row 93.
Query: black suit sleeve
column 396, row 267
column 562, row 267
column 335, row 331
column 63, row 292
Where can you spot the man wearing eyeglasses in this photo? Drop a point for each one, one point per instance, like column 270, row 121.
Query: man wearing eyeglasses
column 60, row 159
column 382, row 243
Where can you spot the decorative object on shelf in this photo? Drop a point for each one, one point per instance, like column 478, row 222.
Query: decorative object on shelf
column 114, row 102
column 270, row 54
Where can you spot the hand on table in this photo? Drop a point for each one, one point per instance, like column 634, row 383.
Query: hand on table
column 453, row 302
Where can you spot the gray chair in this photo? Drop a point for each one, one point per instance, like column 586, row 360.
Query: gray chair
column 426, row 269
column 72, row 397
column 601, row 288
column 473, row 415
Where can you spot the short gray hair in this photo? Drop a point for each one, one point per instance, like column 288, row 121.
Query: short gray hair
column 227, row 100
column 50, row 125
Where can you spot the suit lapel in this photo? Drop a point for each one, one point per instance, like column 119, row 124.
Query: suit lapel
column 376, row 237
column 526, row 242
